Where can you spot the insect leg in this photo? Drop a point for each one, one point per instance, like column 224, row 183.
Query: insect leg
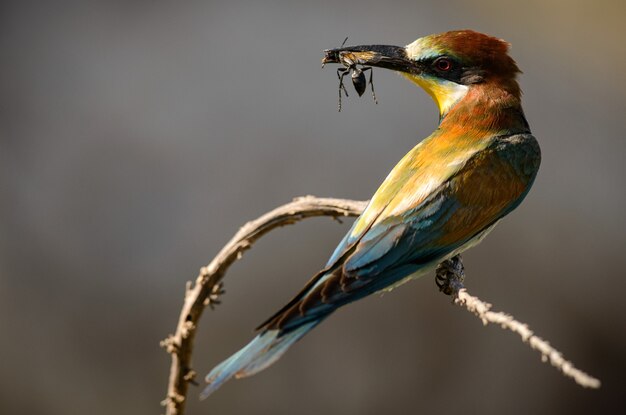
column 341, row 72
column 369, row 68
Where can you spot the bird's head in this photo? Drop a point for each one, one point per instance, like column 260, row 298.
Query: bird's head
column 446, row 65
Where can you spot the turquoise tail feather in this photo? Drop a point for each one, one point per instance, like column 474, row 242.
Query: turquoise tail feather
column 264, row 350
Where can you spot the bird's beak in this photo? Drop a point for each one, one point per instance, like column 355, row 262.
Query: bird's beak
column 381, row 56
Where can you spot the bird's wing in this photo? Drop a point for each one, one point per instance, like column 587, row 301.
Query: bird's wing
column 490, row 184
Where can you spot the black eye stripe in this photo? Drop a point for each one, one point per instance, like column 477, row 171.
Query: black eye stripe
column 444, row 67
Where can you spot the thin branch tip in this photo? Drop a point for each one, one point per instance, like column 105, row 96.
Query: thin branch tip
column 548, row 353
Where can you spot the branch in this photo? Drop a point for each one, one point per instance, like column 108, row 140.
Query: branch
column 208, row 287
column 208, row 284
column 506, row 321
column 449, row 277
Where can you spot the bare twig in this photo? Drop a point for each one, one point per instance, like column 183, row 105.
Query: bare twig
column 506, row 321
column 208, row 287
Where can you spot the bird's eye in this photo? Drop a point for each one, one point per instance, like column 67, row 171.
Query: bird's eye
column 443, row 64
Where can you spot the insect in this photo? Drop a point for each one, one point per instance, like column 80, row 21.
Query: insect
column 350, row 60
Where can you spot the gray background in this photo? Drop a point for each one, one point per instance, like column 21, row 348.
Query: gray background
column 136, row 137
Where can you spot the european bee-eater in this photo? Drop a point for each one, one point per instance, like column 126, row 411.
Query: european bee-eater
column 442, row 198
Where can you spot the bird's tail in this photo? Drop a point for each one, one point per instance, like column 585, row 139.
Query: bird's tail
column 260, row 353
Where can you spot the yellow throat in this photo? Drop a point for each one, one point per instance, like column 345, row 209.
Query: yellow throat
column 444, row 93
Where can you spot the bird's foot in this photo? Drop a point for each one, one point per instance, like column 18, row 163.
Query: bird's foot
column 449, row 275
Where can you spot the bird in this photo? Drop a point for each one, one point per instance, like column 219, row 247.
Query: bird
column 442, row 198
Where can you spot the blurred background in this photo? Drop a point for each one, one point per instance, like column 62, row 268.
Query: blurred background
column 136, row 137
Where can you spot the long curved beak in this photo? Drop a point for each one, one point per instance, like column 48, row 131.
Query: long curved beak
column 381, row 56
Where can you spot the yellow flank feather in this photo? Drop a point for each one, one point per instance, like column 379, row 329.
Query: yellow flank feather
column 427, row 166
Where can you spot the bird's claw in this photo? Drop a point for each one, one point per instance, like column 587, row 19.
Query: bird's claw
column 449, row 275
